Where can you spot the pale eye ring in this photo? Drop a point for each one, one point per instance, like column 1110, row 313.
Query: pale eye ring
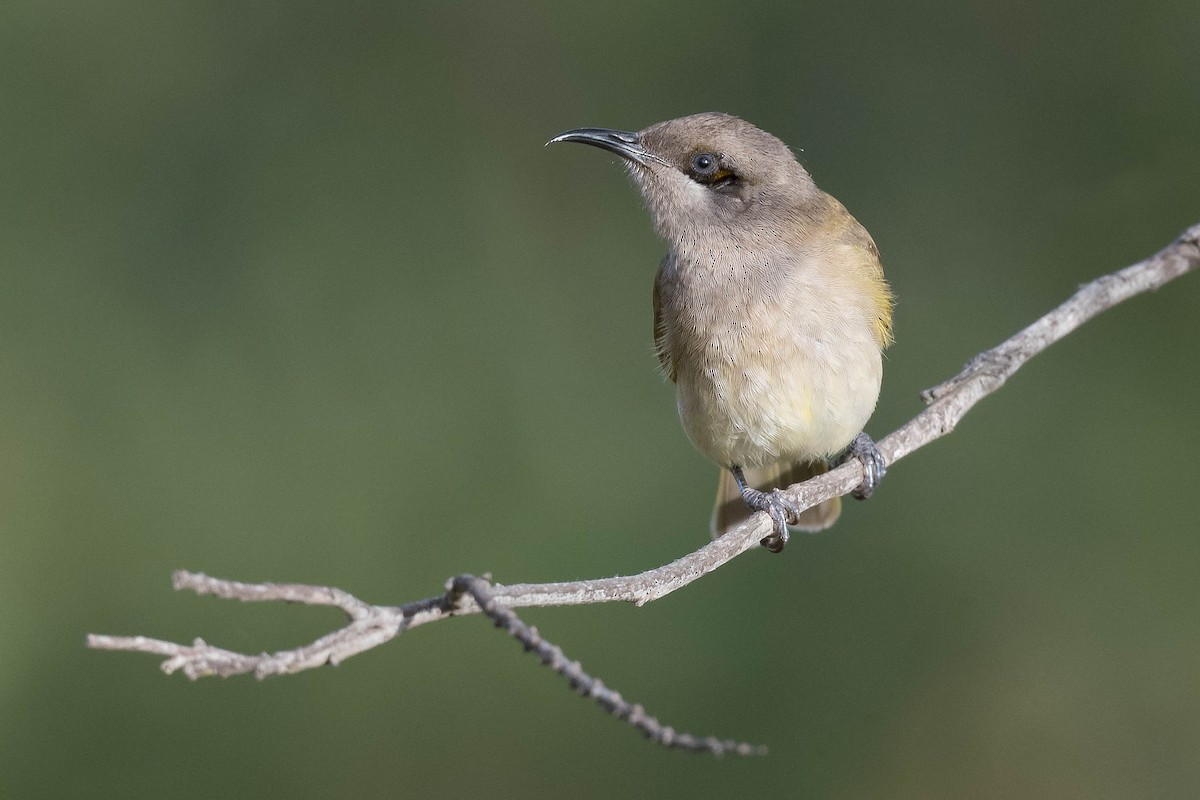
column 704, row 164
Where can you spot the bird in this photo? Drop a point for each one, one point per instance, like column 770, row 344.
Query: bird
column 771, row 312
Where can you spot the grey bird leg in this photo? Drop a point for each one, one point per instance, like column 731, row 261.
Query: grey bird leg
column 770, row 502
column 874, row 467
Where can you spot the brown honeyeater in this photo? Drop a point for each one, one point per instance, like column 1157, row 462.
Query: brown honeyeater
column 771, row 311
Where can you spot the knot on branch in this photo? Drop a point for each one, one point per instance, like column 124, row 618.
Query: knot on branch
column 989, row 369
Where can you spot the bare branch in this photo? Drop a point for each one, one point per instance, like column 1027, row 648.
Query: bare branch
column 372, row 625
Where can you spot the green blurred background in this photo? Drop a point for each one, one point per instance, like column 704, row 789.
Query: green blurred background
column 293, row 292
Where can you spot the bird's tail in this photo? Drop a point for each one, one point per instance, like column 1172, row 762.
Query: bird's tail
column 730, row 510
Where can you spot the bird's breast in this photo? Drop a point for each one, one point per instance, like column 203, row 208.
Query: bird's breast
column 771, row 361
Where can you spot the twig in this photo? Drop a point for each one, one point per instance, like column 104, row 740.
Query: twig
column 611, row 701
column 372, row 625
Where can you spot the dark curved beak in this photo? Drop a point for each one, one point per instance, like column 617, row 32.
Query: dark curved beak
column 624, row 143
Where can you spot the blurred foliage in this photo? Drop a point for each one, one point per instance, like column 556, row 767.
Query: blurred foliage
column 293, row 292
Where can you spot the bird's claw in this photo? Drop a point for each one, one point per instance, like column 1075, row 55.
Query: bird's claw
column 779, row 512
column 778, row 509
column 874, row 466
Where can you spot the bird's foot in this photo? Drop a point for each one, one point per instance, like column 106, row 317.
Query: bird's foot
column 780, row 511
column 874, row 466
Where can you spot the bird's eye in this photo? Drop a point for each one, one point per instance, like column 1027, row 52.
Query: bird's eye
column 704, row 164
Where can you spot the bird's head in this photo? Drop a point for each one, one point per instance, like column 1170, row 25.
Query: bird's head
column 708, row 172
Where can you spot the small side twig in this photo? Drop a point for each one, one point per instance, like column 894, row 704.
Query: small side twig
column 611, row 701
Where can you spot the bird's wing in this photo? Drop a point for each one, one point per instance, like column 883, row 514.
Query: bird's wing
column 661, row 345
column 874, row 283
